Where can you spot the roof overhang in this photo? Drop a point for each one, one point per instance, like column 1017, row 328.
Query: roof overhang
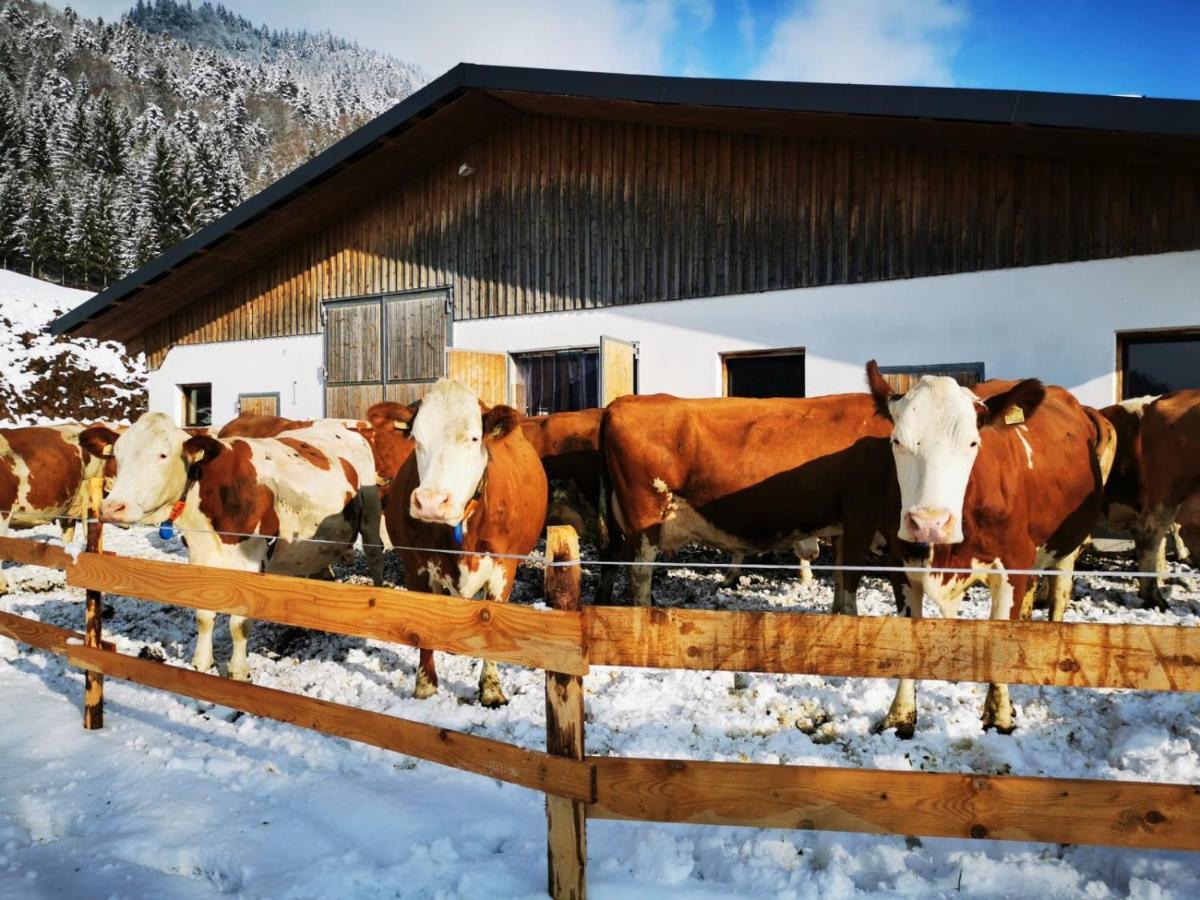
column 471, row 100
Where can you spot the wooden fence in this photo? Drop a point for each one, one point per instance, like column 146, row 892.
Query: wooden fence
column 566, row 640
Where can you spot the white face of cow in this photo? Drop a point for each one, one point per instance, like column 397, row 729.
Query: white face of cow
column 151, row 471
column 935, row 442
column 451, row 452
column 938, row 429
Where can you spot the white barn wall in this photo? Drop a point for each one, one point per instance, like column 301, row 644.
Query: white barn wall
column 289, row 366
column 1055, row 322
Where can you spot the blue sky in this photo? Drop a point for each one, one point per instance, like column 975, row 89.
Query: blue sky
column 1102, row 46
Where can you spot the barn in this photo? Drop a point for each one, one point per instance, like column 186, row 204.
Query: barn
column 555, row 239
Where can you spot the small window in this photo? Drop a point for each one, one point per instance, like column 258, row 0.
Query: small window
column 557, row 380
column 197, row 405
column 766, row 373
column 1159, row 362
column 901, row 378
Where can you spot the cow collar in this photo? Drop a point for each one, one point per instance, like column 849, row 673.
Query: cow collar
column 460, row 530
column 166, row 530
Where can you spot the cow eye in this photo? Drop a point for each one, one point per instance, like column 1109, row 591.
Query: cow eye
column 162, row 456
column 974, row 443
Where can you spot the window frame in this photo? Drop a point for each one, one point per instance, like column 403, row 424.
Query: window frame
column 187, row 406
column 1125, row 337
column 728, row 355
column 516, row 356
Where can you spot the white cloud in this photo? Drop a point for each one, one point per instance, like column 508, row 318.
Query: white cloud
column 608, row 35
column 865, row 41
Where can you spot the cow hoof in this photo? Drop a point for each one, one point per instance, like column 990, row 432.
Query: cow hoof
column 239, row 675
column 999, row 721
column 203, row 666
column 424, row 690
column 492, row 698
column 905, row 725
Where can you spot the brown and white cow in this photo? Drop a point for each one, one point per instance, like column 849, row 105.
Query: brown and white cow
column 1156, row 478
column 974, row 491
column 472, row 468
column 258, row 426
column 747, row 475
column 291, row 504
column 43, row 478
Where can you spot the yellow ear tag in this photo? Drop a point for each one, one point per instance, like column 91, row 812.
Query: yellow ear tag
column 1014, row 416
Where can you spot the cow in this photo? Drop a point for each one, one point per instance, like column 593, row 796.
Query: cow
column 257, row 426
column 43, row 477
column 568, row 444
column 473, row 497
column 387, row 431
column 1156, row 479
column 1009, row 476
column 747, row 475
column 291, row 504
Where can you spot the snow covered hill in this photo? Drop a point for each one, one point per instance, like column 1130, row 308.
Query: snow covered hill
column 45, row 378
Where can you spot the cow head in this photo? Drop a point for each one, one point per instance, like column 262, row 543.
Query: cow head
column 453, row 432
column 938, row 427
column 153, row 457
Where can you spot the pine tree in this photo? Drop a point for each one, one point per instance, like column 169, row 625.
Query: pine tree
column 107, row 137
column 11, row 126
column 10, row 214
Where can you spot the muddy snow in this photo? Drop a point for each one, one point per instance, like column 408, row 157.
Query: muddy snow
column 179, row 799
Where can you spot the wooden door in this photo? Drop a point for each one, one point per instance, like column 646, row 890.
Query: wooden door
column 387, row 347
column 258, row 404
column 618, row 369
column 485, row 372
column 902, row 378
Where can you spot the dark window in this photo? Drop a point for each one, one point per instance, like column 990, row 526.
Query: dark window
column 901, row 378
column 773, row 373
column 197, row 405
column 557, row 380
column 1160, row 363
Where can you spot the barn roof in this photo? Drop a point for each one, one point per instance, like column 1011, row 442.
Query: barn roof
column 472, row 99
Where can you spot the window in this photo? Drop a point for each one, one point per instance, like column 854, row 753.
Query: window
column 557, row 380
column 1159, row 362
column 764, row 373
column 197, row 405
column 901, row 378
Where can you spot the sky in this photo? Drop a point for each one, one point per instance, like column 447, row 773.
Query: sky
column 1088, row 46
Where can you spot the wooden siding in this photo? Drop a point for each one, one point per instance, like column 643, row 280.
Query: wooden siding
column 484, row 372
column 567, row 213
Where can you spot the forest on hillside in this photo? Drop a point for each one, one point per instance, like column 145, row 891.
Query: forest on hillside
column 118, row 139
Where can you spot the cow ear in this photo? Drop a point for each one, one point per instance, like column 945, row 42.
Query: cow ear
column 202, row 448
column 391, row 414
column 881, row 391
column 98, row 440
column 1025, row 396
column 499, row 421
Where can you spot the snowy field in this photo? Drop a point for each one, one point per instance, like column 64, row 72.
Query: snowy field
column 179, row 799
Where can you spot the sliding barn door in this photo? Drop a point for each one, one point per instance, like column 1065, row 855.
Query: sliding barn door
column 483, row 371
column 618, row 369
column 383, row 348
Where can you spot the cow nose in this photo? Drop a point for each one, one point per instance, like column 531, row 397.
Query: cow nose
column 928, row 525
column 429, row 504
column 112, row 511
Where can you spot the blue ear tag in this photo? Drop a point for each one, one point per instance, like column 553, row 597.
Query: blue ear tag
column 166, row 530
column 458, row 534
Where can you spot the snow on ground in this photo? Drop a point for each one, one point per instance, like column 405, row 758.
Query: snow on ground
column 179, row 799
column 49, row 378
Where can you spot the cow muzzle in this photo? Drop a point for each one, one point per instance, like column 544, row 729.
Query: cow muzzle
column 929, row 525
column 116, row 512
column 434, row 506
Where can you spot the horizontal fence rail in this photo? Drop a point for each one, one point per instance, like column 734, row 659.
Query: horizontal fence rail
column 567, row 639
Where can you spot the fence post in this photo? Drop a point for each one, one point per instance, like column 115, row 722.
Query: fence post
column 93, row 682
column 566, row 820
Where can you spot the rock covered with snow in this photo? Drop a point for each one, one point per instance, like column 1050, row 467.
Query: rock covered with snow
column 45, row 378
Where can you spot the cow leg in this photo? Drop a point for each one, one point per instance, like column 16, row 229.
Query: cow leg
column 1062, row 586
column 202, row 659
column 806, row 574
column 902, row 716
column 239, row 630
column 1150, row 542
column 845, row 581
column 734, row 571
column 67, row 526
column 998, row 710
column 427, row 677
column 1177, row 541
column 369, row 529
column 641, row 577
column 499, row 586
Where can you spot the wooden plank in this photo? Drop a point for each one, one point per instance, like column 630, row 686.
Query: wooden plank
column 33, row 553
column 932, row 804
column 566, row 819
column 540, row 639
column 483, row 756
column 1146, row 657
column 37, row 634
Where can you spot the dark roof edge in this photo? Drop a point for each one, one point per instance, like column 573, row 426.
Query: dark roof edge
column 1180, row 118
